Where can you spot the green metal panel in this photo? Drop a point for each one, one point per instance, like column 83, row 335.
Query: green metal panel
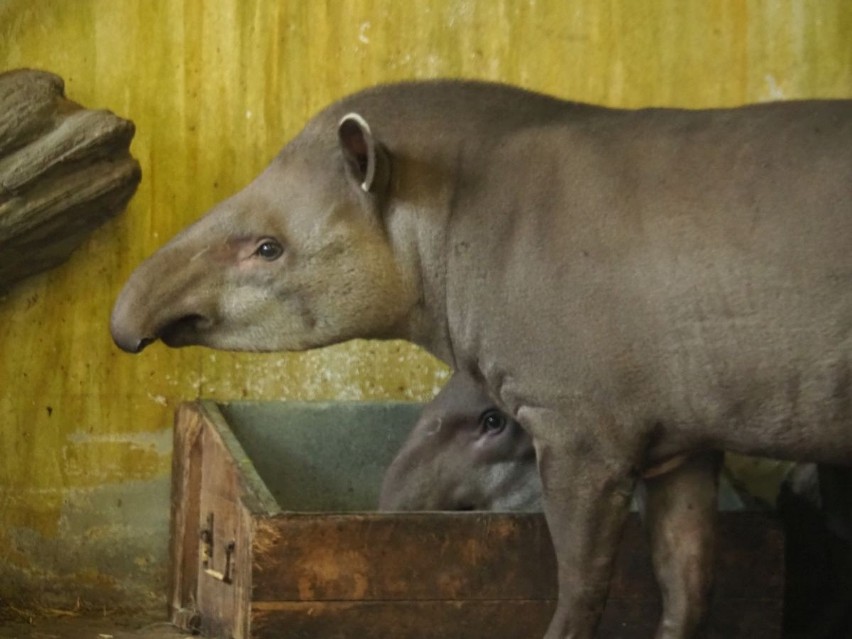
column 321, row 456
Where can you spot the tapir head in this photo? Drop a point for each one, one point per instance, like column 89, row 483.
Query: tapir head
column 463, row 454
column 298, row 259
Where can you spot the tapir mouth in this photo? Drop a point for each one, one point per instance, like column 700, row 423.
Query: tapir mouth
column 185, row 330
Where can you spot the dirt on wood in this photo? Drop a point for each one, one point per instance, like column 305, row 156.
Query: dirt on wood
column 87, row 627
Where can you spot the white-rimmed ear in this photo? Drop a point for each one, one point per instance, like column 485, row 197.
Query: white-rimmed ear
column 360, row 150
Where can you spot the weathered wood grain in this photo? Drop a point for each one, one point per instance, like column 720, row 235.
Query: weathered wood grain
column 415, row 575
column 185, row 515
column 64, row 171
column 411, row 620
column 622, row 619
column 223, row 600
column 27, row 106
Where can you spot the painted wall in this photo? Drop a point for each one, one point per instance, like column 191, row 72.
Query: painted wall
column 215, row 88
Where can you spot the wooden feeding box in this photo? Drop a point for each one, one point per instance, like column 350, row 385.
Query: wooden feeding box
column 274, row 537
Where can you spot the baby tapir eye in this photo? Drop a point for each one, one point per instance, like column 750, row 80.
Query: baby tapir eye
column 269, row 250
column 492, row 421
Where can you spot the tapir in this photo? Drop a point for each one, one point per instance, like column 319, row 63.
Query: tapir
column 463, row 453
column 629, row 285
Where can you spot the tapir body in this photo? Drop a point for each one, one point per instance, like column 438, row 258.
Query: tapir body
column 628, row 285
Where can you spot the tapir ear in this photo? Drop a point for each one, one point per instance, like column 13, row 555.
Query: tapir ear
column 363, row 154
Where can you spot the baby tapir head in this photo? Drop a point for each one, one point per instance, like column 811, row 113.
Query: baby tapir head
column 463, row 454
column 298, row 259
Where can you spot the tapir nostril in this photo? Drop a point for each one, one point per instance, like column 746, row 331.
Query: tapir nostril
column 131, row 345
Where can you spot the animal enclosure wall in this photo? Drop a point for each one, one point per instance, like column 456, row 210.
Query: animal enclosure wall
column 215, row 88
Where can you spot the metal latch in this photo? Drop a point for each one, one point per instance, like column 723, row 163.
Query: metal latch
column 207, row 547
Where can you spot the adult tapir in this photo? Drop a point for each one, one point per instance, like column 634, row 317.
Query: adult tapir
column 463, row 453
column 628, row 285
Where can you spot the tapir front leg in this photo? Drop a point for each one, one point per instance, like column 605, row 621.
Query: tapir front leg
column 680, row 517
column 586, row 497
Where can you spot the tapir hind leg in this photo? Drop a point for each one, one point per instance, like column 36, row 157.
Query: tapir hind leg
column 680, row 516
column 586, row 496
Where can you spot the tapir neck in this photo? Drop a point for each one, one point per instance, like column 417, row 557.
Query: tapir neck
column 436, row 147
column 418, row 235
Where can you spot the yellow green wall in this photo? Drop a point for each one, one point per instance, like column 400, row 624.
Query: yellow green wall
column 215, row 88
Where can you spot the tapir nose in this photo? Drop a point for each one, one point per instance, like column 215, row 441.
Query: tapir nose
column 128, row 340
column 130, row 323
column 136, row 345
column 170, row 297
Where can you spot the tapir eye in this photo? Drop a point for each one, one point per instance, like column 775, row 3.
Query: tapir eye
column 492, row 421
column 269, row 250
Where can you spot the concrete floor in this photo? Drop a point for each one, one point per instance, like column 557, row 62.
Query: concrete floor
column 88, row 628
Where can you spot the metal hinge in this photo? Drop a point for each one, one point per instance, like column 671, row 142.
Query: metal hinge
column 207, row 547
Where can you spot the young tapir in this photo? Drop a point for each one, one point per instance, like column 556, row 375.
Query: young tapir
column 463, row 453
column 628, row 285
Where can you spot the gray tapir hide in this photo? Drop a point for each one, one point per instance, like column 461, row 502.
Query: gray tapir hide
column 627, row 285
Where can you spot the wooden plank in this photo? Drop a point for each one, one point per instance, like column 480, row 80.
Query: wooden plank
column 224, row 582
column 622, row 619
column 401, row 620
column 185, row 517
column 254, row 493
column 211, row 477
column 373, row 556
column 422, row 556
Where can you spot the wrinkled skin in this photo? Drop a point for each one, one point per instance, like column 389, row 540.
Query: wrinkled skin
column 628, row 285
column 465, row 454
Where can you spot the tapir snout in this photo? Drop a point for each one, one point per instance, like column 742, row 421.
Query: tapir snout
column 173, row 308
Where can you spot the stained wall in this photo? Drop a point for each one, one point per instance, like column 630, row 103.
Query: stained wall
column 215, row 88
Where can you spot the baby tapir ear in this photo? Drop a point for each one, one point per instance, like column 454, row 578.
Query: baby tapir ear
column 365, row 157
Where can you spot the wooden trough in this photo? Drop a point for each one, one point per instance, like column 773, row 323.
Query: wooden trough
column 273, row 537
